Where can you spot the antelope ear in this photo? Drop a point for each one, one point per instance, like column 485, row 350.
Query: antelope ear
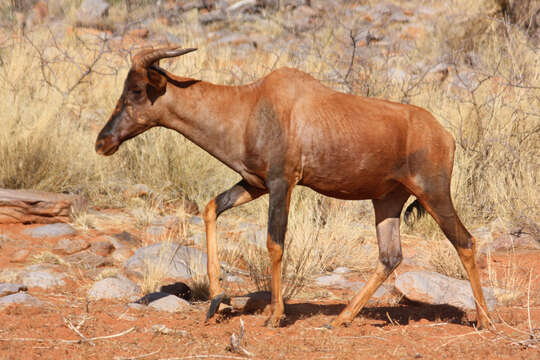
column 157, row 85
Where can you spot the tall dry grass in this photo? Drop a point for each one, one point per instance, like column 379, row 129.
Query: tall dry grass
column 58, row 90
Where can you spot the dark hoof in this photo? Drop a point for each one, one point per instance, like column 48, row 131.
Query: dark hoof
column 214, row 305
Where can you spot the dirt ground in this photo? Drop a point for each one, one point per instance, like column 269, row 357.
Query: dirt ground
column 66, row 325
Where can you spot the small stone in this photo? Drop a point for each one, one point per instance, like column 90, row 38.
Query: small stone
column 330, row 280
column 8, row 289
column 114, row 288
column 195, row 220
column 51, row 230
column 70, row 246
column 233, row 278
column 42, row 278
column 341, row 270
column 102, row 248
column 19, row 298
column 93, row 11
column 169, row 303
column 127, row 239
column 88, row 260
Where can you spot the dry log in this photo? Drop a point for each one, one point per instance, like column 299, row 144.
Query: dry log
column 30, row 206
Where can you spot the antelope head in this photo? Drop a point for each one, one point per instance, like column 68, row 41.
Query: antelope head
column 136, row 111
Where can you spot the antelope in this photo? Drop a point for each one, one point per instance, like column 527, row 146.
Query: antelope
column 288, row 129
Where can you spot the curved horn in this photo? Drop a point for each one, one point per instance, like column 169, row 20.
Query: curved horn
column 146, row 58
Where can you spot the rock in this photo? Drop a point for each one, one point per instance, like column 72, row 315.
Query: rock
column 87, row 260
column 121, row 255
column 70, row 246
column 212, row 16
column 256, row 301
column 178, row 261
column 330, row 280
column 382, row 292
column 169, row 303
column 19, row 298
column 19, row 256
column 126, row 238
column 28, row 206
column 178, row 289
column 92, row 11
column 168, row 222
column 341, row 270
column 42, row 278
column 233, row 278
column 8, row 289
column 195, row 220
column 241, row 6
column 114, row 288
column 156, row 231
column 198, row 239
column 51, row 230
column 162, row 329
column 437, row 289
column 137, row 190
column 102, row 247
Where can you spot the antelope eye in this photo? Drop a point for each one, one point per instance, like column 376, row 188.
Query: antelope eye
column 137, row 92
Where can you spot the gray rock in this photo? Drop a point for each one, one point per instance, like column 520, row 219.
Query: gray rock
column 437, row 289
column 93, row 10
column 233, row 278
column 241, row 6
column 70, row 246
column 330, row 280
column 19, row 298
column 114, row 288
column 212, row 16
column 195, row 220
column 88, row 260
column 58, row 229
column 341, row 270
column 169, row 303
column 42, row 278
column 8, row 289
column 198, row 239
column 178, row 261
column 156, row 230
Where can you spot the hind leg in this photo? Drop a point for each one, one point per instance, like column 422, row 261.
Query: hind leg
column 440, row 206
column 387, row 217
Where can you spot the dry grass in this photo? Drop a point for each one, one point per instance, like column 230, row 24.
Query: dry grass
column 50, row 121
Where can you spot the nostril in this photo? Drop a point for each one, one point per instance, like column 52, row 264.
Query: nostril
column 99, row 145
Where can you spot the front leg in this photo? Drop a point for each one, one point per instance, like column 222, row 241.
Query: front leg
column 239, row 194
column 278, row 211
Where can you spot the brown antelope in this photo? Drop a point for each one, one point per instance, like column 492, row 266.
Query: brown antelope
column 288, row 129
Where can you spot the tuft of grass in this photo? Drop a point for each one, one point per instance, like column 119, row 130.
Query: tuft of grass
column 47, row 257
